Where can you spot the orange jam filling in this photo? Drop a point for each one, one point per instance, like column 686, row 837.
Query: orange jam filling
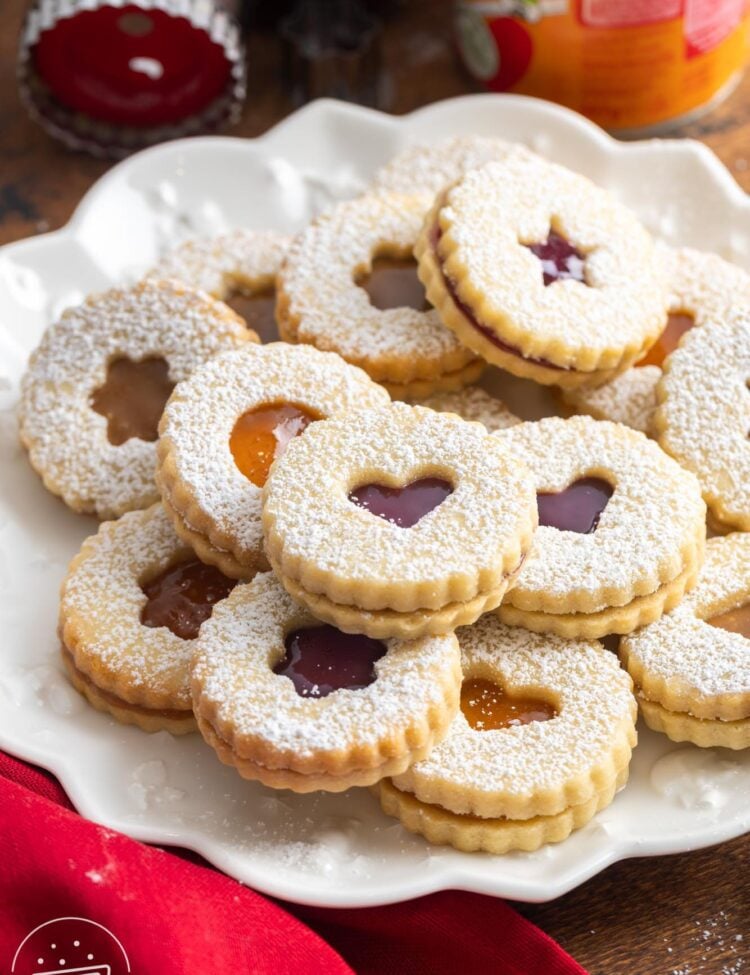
column 736, row 620
column 487, row 707
column 677, row 324
column 393, row 283
column 259, row 312
column 133, row 398
column 260, row 436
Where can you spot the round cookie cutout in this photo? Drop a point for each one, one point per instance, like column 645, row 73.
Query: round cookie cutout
column 701, row 287
column 121, row 351
column 692, row 667
column 415, row 522
column 262, row 701
column 214, row 506
column 321, row 303
column 621, row 529
column 703, row 417
column 542, row 273
column 542, row 742
column 241, row 263
column 131, row 605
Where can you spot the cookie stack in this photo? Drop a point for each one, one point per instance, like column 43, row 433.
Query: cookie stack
column 338, row 590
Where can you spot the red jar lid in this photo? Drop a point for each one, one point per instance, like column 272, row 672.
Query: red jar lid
column 111, row 77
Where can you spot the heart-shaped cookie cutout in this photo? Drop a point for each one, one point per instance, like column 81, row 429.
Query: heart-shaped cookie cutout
column 403, row 506
column 321, row 659
column 487, row 706
column 577, row 508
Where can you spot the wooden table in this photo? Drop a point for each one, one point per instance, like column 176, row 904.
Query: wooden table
column 678, row 915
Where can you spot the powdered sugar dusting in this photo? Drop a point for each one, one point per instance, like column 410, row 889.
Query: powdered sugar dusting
column 233, row 674
column 649, row 523
column 66, row 438
column 101, row 606
column 593, row 697
column 629, row 398
column 473, row 403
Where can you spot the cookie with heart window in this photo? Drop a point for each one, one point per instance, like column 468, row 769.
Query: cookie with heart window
column 300, row 705
column 702, row 288
column 238, row 267
column 692, row 667
column 224, row 428
column 621, row 529
column 542, row 273
column 413, row 521
column 349, row 285
column 131, row 607
column 542, row 742
column 96, row 386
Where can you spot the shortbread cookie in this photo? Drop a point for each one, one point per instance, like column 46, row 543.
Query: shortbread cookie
column 703, row 417
column 133, row 602
column 96, row 386
column 473, row 403
column 542, row 742
column 241, row 264
column 621, row 529
column 330, row 297
column 302, row 706
column 223, row 429
column 542, row 273
column 398, row 521
column 701, row 287
column 429, row 168
column 692, row 668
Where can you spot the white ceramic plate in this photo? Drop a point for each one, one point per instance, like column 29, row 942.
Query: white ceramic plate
column 327, row 850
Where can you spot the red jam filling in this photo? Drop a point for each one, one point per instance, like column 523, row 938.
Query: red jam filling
column 183, row 596
column 677, row 324
column 475, row 323
column 577, row 508
column 736, row 620
column 133, row 398
column 394, row 283
column 487, row 707
column 403, row 506
column 321, row 659
column 560, row 260
column 259, row 312
column 261, row 436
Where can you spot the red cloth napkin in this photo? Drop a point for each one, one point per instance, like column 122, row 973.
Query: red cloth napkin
column 173, row 916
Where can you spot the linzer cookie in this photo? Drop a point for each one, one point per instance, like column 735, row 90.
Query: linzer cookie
column 430, row 168
column 542, row 742
column 692, row 667
column 238, row 267
column 224, row 428
column 473, row 403
column 702, row 288
column 542, row 273
column 96, row 386
column 621, row 529
column 349, row 285
column 398, row 521
column 703, row 417
column 132, row 604
column 302, row 706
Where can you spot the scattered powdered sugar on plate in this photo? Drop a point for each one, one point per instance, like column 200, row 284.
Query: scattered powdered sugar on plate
column 696, row 778
column 149, row 787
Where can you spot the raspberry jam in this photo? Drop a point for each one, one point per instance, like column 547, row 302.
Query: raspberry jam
column 577, row 508
column 487, row 707
column 736, row 620
column 394, row 283
column 183, row 596
column 402, row 506
column 321, row 659
column 133, row 398
column 560, row 260
column 677, row 324
column 260, row 436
